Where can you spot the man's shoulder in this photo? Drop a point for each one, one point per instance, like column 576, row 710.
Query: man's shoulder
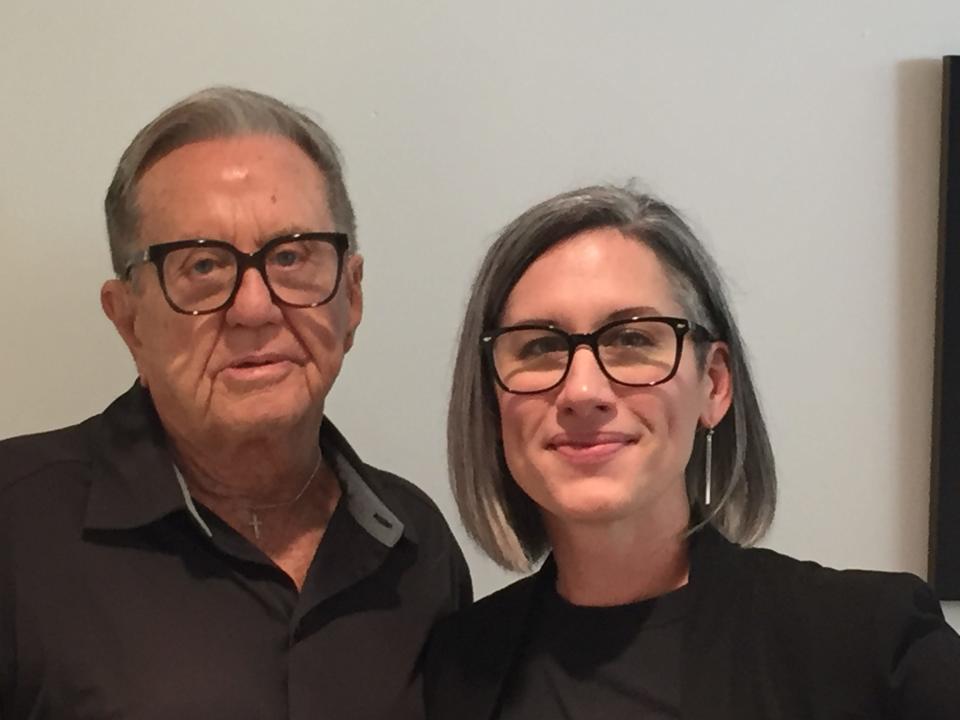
column 44, row 482
column 474, row 626
column 469, row 651
column 401, row 496
column 406, row 499
column 25, row 456
column 425, row 524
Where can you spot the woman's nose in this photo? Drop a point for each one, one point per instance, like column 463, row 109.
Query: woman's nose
column 586, row 387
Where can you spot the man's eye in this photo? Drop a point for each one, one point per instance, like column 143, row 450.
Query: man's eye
column 291, row 255
column 286, row 258
column 203, row 267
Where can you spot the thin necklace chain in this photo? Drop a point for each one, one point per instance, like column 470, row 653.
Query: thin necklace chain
column 255, row 523
column 271, row 506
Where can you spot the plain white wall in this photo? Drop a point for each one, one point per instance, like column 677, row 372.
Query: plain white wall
column 801, row 139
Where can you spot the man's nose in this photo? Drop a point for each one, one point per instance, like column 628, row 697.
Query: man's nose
column 253, row 305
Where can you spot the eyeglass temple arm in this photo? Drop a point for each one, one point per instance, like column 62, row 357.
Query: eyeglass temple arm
column 138, row 259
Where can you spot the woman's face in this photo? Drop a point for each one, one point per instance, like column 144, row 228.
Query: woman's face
column 591, row 450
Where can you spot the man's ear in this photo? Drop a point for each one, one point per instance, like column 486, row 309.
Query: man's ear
column 119, row 305
column 353, row 279
column 718, row 384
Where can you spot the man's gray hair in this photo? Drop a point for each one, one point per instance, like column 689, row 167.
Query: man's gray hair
column 217, row 112
column 498, row 515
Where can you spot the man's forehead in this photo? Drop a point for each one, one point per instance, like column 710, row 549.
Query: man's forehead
column 206, row 188
column 231, row 160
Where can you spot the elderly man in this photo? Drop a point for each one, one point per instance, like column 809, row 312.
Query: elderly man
column 210, row 546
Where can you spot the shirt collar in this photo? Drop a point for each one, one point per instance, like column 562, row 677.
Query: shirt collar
column 139, row 483
column 367, row 509
column 363, row 490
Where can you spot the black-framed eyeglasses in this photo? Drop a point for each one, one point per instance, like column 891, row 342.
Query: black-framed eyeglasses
column 636, row 351
column 203, row 276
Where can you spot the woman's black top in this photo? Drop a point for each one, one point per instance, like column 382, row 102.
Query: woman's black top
column 763, row 637
column 617, row 663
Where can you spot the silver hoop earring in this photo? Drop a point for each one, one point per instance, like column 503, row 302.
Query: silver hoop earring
column 708, row 467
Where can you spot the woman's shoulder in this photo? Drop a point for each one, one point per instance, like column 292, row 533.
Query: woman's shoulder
column 880, row 614
column 808, row 602
column 825, row 587
column 812, row 631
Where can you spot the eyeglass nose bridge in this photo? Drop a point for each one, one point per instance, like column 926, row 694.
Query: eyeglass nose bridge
column 251, row 261
column 591, row 340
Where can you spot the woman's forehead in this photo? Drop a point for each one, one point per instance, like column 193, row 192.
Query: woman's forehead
column 588, row 277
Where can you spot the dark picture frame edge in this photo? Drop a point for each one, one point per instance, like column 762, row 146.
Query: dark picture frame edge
column 944, row 545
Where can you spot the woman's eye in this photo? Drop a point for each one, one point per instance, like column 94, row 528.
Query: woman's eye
column 630, row 338
column 542, row 346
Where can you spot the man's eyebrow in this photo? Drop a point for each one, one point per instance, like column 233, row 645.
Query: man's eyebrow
column 191, row 236
column 289, row 230
column 283, row 231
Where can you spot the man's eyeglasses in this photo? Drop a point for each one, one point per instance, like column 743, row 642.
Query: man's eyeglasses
column 204, row 276
column 636, row 351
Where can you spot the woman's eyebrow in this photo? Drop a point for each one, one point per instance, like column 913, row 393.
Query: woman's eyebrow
column 638, row 310
column 537, row 321
column 621, row 314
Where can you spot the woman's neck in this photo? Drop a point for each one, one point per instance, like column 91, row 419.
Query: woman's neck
column 620, row 562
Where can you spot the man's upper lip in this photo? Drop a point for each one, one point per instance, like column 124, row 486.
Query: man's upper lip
column 259, row 358
column 588, row 439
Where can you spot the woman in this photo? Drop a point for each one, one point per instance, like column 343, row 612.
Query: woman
column 603, row 410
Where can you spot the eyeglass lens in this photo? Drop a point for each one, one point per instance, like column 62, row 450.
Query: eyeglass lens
column 642, row 352
column 299, row 271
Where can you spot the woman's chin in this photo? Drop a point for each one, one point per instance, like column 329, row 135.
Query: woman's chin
column 594, row 507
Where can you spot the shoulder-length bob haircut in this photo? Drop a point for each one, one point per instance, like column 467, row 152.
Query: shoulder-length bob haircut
column 499, row 516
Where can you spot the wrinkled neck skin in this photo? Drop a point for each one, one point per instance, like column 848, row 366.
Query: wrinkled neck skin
column 269, row 465
column 607, row 563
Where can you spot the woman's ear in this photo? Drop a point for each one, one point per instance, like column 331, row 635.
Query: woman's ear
column 717, row 384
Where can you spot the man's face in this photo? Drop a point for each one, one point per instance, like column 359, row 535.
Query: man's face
column 255, row 367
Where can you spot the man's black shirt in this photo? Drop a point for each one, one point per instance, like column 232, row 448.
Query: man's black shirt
column 120, row 598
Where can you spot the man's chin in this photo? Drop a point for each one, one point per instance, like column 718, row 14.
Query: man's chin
column 257, row 416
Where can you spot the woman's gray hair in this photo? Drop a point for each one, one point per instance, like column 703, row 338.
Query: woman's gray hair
column 217, row 112
column 498, row 515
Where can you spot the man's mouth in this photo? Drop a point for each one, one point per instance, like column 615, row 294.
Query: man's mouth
column 252, row 364
column 259, row 369
column 253, row 361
